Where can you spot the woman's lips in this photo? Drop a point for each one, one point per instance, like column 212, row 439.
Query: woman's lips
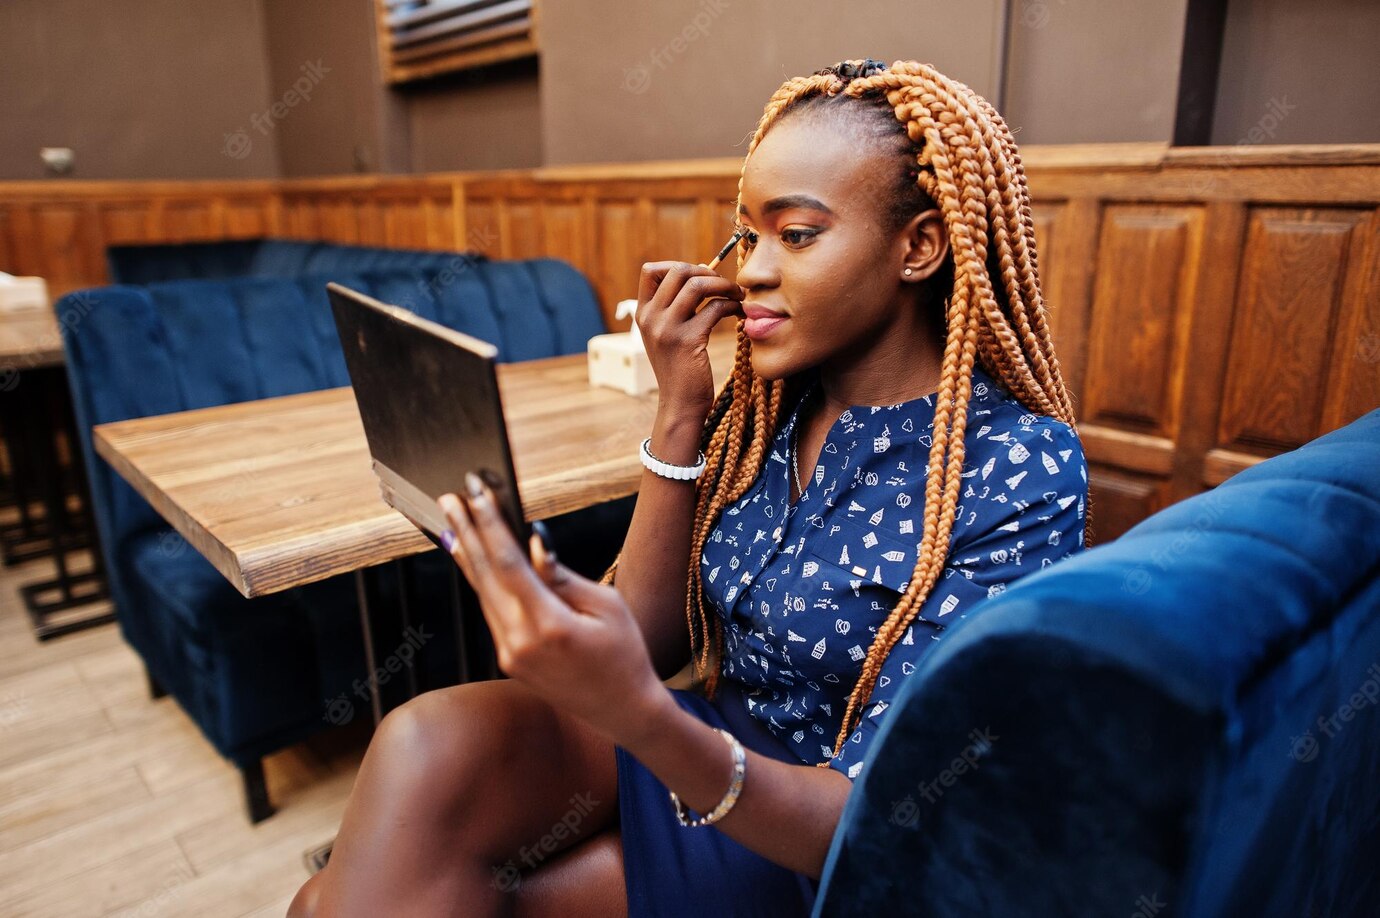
column 761, row 327
column 761, row 322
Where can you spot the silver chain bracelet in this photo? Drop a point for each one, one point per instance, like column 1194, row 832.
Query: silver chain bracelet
column 734, row 788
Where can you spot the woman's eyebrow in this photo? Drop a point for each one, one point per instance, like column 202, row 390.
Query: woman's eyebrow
column 788, row 201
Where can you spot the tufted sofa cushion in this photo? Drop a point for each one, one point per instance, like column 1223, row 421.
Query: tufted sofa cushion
column 149, row 264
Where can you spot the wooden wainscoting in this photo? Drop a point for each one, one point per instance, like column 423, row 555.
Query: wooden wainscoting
column 1211, row 306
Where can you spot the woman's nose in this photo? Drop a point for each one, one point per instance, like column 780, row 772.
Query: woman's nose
column 757, row 271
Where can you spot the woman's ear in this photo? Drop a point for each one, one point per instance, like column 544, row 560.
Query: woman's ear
column 926, row 245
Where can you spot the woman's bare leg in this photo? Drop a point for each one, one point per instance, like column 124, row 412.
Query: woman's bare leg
column 461, row 791
column 586, row 880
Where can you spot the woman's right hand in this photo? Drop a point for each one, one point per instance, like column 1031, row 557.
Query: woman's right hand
column 676, row 336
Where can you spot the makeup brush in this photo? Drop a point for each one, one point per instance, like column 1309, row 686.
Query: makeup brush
column 728, row 247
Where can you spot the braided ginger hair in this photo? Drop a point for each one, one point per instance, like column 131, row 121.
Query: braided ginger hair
column 969, row 167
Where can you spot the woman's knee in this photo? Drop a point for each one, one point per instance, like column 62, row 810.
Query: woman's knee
column 435, row 752
column 305, row 902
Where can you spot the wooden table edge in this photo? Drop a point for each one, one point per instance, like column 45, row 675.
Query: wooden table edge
column 211, row 548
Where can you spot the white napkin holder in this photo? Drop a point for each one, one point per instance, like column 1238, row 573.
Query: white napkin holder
column 20, row 294
column 619, row 361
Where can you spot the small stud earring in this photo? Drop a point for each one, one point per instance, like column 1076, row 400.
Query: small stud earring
column 908, row 272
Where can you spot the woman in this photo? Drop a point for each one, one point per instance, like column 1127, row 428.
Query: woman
column 894, row 347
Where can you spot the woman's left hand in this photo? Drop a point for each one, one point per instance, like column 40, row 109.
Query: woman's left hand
column 572, row 640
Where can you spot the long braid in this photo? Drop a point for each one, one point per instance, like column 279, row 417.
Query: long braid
column 966, row 163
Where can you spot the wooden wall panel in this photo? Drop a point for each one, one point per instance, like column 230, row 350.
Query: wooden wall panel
column 520, row 222
column 126, row 222
column 405, row 223
column 246, row 218
column 186, row 220
column 7, row 256
column 621, row 252
column 24, row 245
column 1293, row 272
column 564, row 231
column 1047, row 219
column 1138, row 317
column 300, row 220
column 65, row 234
column 1354, row 380
column 482, row 227
column 675, row 228
column 369, row 220
column 1120, row 498
column 339, row 221
column 1071, row 230
column 1210, row 306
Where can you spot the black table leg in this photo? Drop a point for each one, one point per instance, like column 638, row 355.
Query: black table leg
column 474, row 644
column 385, row 624
column 384, row 636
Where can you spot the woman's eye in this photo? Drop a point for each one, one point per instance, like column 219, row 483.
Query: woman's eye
column 749, row 237
column 792, row 236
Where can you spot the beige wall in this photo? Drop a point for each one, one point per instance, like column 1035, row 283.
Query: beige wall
column 490, row 119
column 138, row 88
column 1299, row 73
column 349, row 124
column 688, row 78
column 1092, row 71
column 152, row 88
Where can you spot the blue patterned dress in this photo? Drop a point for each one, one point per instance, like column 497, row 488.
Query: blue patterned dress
column 802, row 588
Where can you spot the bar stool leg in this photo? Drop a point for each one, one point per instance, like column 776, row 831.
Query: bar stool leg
column 39, row 413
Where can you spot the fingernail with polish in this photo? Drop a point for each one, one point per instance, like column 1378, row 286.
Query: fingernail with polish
column 545, row 535
column 448, row 539
column 473, row 485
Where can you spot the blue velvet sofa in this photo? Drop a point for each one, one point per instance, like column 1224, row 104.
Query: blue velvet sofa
column 1180, row 722
column 257, row 675
column 151, row 263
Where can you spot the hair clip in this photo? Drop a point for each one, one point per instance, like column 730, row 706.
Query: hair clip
column 853, row 70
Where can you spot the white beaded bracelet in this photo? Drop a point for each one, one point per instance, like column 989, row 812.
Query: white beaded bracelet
column 666, row 469
column 735, row 787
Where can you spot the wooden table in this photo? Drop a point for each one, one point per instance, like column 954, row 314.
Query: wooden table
column 29, row 338
column 280, row 492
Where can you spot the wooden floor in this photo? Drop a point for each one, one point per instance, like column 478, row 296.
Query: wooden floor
column 114, row 804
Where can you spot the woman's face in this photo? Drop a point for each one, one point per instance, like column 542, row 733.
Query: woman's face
column 815, row 194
